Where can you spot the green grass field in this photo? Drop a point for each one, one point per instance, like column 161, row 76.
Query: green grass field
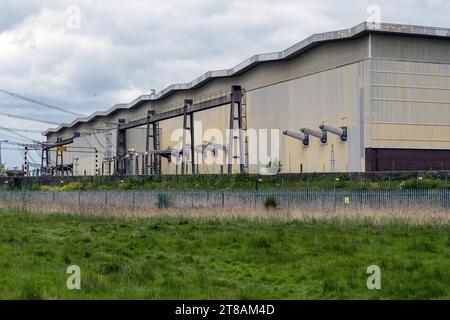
column 169, row 258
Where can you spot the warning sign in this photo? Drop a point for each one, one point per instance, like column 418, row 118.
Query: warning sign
column 61, row 149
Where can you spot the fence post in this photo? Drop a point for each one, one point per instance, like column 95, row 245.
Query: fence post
column 223, row 199
column 447, row 192
column 27, row 199
column 334, row 200
column 289, row 200
column 322, row 196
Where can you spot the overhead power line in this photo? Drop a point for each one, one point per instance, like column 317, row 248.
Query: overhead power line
column 17, row 134
column 12, row 94
column 24, row 130
column 28, row 118
column 12, row 149
column 9, row 137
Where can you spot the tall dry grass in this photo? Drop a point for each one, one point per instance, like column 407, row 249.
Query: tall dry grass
column 416, row 214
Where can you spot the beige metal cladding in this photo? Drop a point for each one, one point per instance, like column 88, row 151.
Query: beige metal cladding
column 330, row 97
column 410, row 48
column 321, row 58
column 305, row 89
column 389, row 90
column 410, row 93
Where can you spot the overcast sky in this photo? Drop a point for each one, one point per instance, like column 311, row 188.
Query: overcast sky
column 89, row 55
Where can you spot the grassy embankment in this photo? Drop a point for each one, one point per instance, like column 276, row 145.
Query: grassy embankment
column 238, row 181
column 176, row 258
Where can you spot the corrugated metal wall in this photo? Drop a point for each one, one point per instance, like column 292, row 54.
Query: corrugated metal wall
column 322, row 85
column 392, row 93
column 410, row 100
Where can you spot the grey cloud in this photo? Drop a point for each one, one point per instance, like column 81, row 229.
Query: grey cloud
column 14, row 12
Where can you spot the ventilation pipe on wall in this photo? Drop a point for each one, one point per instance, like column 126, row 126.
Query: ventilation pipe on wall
column 320, row 135
column 298, row 136
column 341, row 132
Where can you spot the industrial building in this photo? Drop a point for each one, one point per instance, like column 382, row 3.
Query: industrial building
column 375, row 97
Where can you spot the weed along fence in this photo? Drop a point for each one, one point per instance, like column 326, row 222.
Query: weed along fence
column 314, row 200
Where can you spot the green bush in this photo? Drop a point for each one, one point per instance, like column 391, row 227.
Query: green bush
column 129, row 184
column 270, row 202
column 424, row 183
column 163, row 201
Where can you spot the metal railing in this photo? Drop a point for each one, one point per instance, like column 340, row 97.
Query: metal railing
column 319, row 200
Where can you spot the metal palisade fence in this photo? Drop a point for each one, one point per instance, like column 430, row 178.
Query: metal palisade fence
column 325, row 200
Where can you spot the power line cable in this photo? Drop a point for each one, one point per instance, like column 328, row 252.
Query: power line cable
column 11, row 149
column 24, row 130
column 100, row 144
column 12, row 94
column 28, row 118
column 31, row 158
column 9, row 137
column 17, row 134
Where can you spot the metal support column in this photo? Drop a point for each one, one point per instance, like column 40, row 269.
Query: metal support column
column 59, row 158
column 121, row 150
column 44, row 161
column 231, row 136
column 238, row 120
column 156, row 158
column 188, row 126
column 152, row 143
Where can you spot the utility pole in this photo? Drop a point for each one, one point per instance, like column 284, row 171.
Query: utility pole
column 2, row 141
column 96, row 161
column 26, row 165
